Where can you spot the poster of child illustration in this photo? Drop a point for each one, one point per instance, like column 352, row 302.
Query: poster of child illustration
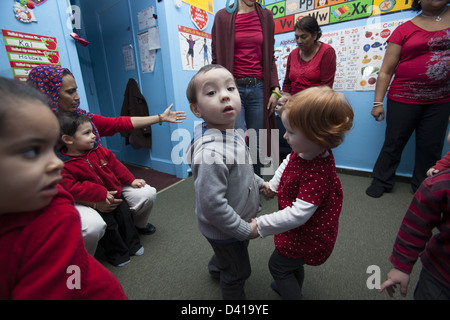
column 195, row 48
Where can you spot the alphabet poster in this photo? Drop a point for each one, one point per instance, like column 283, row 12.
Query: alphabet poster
column 359, row 54
column 287, row 12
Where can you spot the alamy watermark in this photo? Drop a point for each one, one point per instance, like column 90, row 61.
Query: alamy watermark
column 74, row 19
column 374, row 280
column 74, row 280
column 221, row 151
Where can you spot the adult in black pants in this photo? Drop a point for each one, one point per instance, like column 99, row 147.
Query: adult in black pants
column 418, row 97
column 121, row 239
column 430, row 124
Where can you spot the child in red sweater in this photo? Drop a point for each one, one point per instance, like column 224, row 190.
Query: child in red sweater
column 92, row 173
column 308, row 188
column 41, row 247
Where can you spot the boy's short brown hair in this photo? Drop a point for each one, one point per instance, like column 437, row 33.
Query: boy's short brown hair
column 13, row 95
column 191, row 91
column 323, row 115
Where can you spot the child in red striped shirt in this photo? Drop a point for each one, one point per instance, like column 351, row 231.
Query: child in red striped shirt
column 429, row 210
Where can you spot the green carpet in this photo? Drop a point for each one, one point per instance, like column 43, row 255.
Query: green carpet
column 174, row 265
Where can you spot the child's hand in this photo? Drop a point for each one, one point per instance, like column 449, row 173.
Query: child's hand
column 266, row 191
column 432, row 171
column 254, row 230
column 104, row 207
column 110, row 197
column 110, row 203
column 395, row 277
column 138, row 183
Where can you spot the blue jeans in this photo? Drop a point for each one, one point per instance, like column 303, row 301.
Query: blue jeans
column 252, row 115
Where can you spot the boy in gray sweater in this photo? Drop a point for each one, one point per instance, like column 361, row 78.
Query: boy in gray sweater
column 227, row 189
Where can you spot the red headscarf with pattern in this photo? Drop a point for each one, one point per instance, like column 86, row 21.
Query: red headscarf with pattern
column 48, row 79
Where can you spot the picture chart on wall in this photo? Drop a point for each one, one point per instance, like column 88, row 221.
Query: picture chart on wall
column 359, row 54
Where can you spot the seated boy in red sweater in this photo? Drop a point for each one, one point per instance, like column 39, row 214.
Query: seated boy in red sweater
column 92, row 173
column 41, row 247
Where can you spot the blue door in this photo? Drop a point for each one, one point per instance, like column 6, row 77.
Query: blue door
column 113, row 57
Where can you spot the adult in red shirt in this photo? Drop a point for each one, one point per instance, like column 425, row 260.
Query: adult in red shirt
column 312, row 63
column 243, row 42
column 418, row 53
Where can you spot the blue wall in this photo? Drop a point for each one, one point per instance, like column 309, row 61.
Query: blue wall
column 176, row 79
column 52, row 17
column 162, row 87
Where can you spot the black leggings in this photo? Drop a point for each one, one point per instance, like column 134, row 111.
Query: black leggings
column 121, row 239
column 288, row 274
column 232, row 260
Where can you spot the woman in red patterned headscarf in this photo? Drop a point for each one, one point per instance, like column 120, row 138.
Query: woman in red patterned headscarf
column 59, row 85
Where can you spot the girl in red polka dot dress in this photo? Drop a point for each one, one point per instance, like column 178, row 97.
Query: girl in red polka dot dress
column 308, row 188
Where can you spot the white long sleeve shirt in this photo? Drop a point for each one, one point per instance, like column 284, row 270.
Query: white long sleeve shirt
column 288, row 218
